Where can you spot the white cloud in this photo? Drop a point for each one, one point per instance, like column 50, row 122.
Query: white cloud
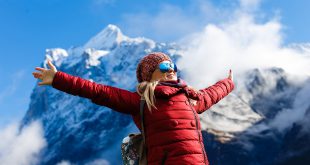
column 286, row 118
column 64, row 163
column 21, row 147
column 93, row 162
column 249, row 5
column 239, row 44
column 98, row 162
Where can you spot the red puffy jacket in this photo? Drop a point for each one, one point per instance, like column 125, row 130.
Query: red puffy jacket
column 173, row 132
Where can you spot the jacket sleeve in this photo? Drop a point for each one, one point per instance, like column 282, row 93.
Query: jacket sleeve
column 213, row 94
column 115, row 98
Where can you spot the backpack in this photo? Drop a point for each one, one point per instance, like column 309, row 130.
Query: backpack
column 133, row 146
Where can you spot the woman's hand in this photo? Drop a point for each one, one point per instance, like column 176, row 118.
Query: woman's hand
column 46, row 75
column 230, row 76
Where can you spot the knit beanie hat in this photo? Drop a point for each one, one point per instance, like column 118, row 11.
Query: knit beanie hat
column 148, row 65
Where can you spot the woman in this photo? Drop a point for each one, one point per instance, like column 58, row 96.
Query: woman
column 171, row 122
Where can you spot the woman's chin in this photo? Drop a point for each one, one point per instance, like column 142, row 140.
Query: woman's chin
column 169, row 79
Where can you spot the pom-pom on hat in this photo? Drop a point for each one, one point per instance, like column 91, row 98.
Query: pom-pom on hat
column 148, row 65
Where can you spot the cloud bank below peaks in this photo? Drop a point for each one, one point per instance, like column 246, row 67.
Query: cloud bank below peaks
column 240, row 43
column 21, row 147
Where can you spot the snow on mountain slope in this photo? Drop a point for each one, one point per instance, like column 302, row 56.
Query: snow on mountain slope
column 278, row 133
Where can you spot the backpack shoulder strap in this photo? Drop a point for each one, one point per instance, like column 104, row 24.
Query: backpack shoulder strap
column 143, row 156
column 142, row 103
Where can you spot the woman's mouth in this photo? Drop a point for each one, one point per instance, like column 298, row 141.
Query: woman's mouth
column 170, row 76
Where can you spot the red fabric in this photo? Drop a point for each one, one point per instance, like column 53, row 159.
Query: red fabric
column 114, row 98
column 173, row 131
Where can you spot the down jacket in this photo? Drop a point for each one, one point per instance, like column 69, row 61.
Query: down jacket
column 173, row 132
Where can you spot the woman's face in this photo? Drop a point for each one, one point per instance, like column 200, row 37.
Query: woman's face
column 164, row 76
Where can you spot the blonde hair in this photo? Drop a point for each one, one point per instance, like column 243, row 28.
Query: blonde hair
column 146, row 90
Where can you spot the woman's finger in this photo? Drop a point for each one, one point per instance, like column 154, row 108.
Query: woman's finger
column 49, row 63
column 40, row 69
column 37, row 75
column 42, row 83
column 230, row 74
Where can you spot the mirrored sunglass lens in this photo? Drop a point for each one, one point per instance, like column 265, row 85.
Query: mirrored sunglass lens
column 175, row 67
column 165, row 67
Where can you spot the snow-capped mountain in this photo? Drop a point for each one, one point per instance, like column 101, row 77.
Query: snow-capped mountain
column 264, row 121
column 275, row 111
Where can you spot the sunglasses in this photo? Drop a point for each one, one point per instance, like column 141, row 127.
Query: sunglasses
column 166, row 66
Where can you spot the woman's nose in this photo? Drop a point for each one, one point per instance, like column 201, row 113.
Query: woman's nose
column 171, row 70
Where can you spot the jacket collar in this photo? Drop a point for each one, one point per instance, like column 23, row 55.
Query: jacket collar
column 170, row 88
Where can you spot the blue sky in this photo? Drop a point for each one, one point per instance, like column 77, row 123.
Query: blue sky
column 29, row 27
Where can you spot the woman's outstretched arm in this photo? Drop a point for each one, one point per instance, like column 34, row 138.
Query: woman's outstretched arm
column 214, row 93
column 115, row 98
